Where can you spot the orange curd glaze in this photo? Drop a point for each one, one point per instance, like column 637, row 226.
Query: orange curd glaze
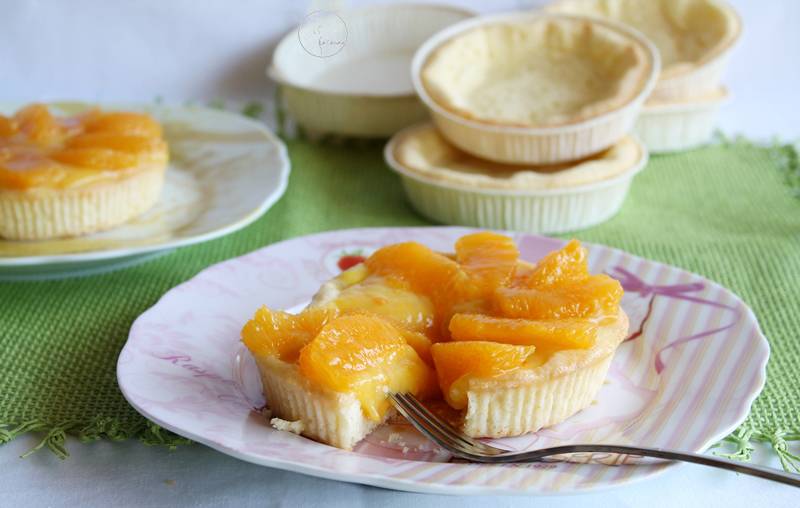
column 39, row 150
column 492, row 314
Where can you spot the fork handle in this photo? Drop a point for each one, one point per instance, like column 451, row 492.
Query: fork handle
column 719, row 462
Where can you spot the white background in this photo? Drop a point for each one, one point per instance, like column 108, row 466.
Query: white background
column 199, row 50
column 218, row 49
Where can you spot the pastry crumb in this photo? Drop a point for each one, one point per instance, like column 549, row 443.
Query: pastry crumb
column 296, row 427
column 170, row 482
column 405, row 449
column 394, row 437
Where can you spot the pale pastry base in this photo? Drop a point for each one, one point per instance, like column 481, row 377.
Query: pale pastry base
column 528, row 399
column 513, row 412
column 54, row 213
column 516, row 403
column 329, row 417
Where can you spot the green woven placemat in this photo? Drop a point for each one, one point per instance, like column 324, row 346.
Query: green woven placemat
column 723, row 211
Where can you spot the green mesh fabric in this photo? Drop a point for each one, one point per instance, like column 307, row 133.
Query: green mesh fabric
column 726, row 211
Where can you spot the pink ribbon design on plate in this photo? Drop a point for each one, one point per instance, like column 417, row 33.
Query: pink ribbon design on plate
column 631, row 282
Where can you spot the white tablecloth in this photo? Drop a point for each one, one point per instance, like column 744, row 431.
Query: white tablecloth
column 182, row 50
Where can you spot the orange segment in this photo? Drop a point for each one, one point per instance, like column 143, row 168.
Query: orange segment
column 95, row 158
column 458, row 362
column 366, row 355
column 76, row 124
column 388, row 297
column 412, row 335
column 126, row 123
column 283, row 335
column 425, row 272
column 8, row 126
column 483, row 262
column 114, row 141
column 489, row 259
column 570, row 333
column 23, row 170
column 593, row 297
column 36, row 122
column 567, row 263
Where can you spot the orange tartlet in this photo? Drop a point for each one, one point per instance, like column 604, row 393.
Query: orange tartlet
column 510, row 347
column 62, row 177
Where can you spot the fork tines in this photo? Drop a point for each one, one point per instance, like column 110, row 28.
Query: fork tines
column 438, row 430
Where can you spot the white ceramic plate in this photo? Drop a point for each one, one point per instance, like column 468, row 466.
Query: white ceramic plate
column 225, row 171
column 685, row 378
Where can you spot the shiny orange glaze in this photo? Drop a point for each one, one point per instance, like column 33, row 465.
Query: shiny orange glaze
column 39, row 150
column 493, row 315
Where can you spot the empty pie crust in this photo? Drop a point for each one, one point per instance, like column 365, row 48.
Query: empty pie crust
column 425, row 151
column 451, row 186
column 694, row 37
column 542, row 73
column 535, row 88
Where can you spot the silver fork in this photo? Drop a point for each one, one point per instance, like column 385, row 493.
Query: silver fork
column 443, row 434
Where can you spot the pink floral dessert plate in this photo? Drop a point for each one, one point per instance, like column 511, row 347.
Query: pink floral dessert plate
column 685, row 377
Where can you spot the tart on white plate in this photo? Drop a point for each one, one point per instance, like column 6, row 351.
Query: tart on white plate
column 503, row 346
column 63, row 177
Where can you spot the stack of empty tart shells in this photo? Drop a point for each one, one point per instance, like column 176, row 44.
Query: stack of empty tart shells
column 531, row 114
column 695, row 39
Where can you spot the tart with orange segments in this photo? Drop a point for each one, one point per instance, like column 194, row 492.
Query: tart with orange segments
column 62, row 177
column 510, row 346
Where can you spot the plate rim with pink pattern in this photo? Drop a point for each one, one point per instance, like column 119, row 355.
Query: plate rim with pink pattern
column 693, row 363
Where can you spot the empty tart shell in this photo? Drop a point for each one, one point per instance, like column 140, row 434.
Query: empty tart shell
column 450, row 186
column 694, row 37
column 534, row 88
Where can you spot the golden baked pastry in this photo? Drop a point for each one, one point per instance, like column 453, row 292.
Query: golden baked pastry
column 510, row 347
column 427, row 153
column 63, row 177
column 548, row 71
column 687, row 33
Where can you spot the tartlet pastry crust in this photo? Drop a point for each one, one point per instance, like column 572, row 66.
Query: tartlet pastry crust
column 687, row 33
column 544, row 72
column 52, row 213
column 426, row 152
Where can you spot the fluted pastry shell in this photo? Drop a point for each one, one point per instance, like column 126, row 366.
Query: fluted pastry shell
column 426, row 152
column 448, row 185
column 538, row 396
column 543, row 72
column 670, row 126
column 41, row 213
column 694, row 37
column 329, row 417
